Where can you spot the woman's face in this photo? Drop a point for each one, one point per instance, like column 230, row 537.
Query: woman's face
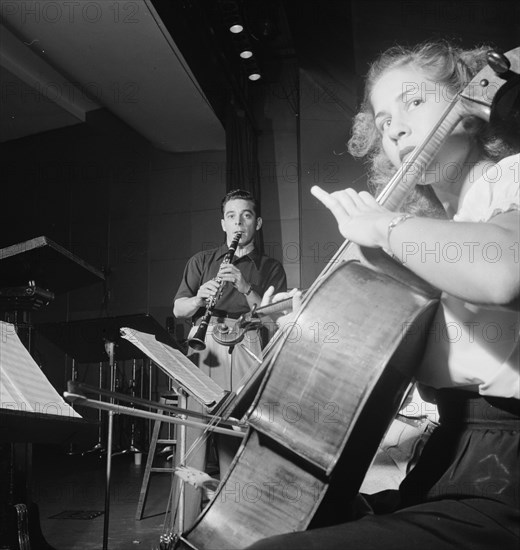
column 406, row 106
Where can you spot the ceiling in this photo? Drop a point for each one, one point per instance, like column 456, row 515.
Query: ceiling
column 167, row 67
column 61, row 60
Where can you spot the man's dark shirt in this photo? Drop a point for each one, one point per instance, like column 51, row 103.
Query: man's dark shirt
column 259, row 270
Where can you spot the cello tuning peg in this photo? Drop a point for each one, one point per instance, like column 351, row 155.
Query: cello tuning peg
column 499, row 63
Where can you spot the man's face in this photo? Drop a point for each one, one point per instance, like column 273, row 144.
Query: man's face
column 240, row 216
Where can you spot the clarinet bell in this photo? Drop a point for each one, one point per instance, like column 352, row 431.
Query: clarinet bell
column 197, row 341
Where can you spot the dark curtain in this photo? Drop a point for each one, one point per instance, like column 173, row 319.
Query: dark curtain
column 242, row 169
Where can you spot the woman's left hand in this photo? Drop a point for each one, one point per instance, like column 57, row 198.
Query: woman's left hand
column 360, row 218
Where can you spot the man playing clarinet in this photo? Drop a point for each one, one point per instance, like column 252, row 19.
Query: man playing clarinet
column 226, row 289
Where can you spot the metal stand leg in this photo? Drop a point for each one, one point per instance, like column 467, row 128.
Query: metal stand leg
column 74, row 377
column 179, row 459
column 150, row 374
column 109, row 346
column 132, row 448
column 98, row 447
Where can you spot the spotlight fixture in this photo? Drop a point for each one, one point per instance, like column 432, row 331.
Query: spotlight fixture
column 236, row 28
column 252, row 69
column 232, row 16
column 236, row 20
column 243, row 45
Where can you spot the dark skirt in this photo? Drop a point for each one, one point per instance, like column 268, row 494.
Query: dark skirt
column 473, row 453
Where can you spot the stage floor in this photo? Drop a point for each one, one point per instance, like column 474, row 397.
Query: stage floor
column 70, row 489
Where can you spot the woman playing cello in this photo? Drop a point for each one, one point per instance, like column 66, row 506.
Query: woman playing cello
column 464, row 491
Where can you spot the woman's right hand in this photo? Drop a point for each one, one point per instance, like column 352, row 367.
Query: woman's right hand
column 270, row 298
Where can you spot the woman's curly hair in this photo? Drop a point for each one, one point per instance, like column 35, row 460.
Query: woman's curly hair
column 441, row 62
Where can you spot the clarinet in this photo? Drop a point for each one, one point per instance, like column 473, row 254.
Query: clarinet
column 197, row 341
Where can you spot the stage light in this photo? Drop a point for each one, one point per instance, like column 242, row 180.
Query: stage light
column 231, row 16
column 235, row 19
column 243, row 45
column 252, row 69
column 236, row 28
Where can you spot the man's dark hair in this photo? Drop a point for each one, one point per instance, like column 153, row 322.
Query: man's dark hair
column 240, row 194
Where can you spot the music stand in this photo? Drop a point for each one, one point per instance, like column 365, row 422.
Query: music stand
column 84, row 339
column 33, row 272
column 52, row 266
column 93, row 340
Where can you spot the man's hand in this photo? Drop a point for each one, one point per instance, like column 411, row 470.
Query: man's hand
column 206, row 292
column 233, row 275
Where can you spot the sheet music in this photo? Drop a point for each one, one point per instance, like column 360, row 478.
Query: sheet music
column 23, row 386
column 178, row 366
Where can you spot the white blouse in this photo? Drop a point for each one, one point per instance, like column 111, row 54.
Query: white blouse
column 477, row 347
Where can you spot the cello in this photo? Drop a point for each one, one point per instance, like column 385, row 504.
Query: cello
column 324, row 403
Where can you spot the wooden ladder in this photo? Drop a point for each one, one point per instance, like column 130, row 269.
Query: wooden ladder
column 171, row 399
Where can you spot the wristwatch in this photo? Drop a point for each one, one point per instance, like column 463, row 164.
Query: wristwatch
column 249, row 291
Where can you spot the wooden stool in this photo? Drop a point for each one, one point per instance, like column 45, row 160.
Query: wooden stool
column 169, row 398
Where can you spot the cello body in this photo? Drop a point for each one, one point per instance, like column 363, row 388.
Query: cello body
column 326, row 400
